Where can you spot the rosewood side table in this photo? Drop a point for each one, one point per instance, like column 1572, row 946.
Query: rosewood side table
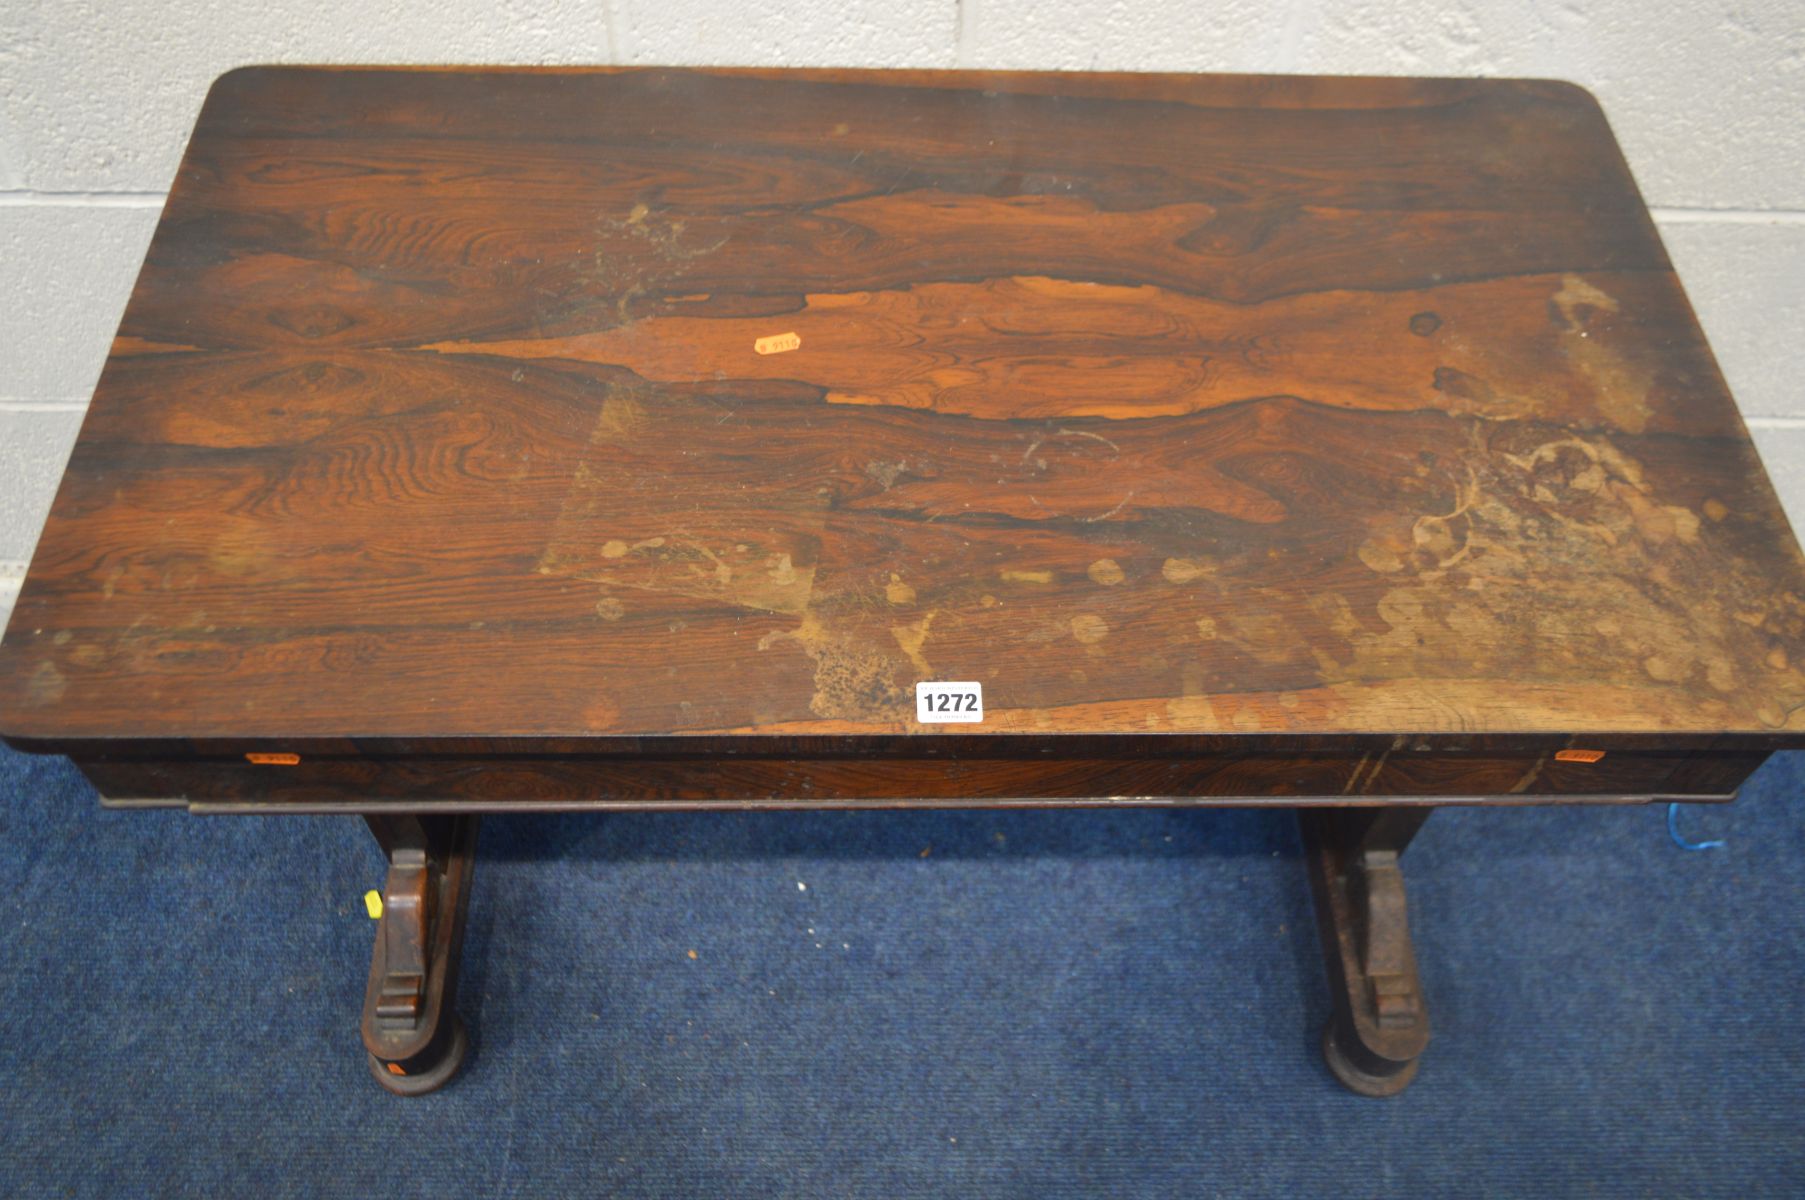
column 485, row 440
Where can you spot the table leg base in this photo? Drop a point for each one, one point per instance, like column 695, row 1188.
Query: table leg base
column 1363, row 1082
column 428, row 1071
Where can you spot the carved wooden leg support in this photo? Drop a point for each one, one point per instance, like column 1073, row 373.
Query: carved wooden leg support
column 1380, row 1023
column 411, row 1028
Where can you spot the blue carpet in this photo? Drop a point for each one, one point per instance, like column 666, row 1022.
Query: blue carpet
column 901, row 1004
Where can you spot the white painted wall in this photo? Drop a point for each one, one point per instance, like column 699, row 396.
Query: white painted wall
column 97, row 96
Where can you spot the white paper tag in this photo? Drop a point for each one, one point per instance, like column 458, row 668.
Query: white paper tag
column 949, row 702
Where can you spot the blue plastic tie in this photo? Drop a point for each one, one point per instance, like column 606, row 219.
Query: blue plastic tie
column 1679, row 839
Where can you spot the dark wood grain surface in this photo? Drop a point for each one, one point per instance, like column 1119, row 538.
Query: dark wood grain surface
column 606, row 405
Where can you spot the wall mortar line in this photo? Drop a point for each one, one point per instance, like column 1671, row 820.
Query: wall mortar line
column 1727, row 216
column 24, row 404
column 30, row 198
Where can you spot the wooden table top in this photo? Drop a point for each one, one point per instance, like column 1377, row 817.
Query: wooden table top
column 644, row 402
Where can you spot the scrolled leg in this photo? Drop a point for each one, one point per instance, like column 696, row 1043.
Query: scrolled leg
column 1380, row 1023
column 411, row 1029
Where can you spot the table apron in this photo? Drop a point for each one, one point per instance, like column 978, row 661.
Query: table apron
column 426, row 784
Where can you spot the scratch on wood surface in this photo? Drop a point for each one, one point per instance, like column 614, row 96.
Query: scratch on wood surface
column 1372, row 777
column 1530, row 776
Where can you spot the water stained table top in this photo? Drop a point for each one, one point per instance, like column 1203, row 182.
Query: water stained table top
column 632, row 403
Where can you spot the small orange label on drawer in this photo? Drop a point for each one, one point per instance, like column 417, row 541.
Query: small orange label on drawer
column 778, row 343
column 1586, row 756
column 273, row 760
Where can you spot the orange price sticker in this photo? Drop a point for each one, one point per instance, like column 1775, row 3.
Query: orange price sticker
column 273, row 760
column 777, row 343
column 1585, row 756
